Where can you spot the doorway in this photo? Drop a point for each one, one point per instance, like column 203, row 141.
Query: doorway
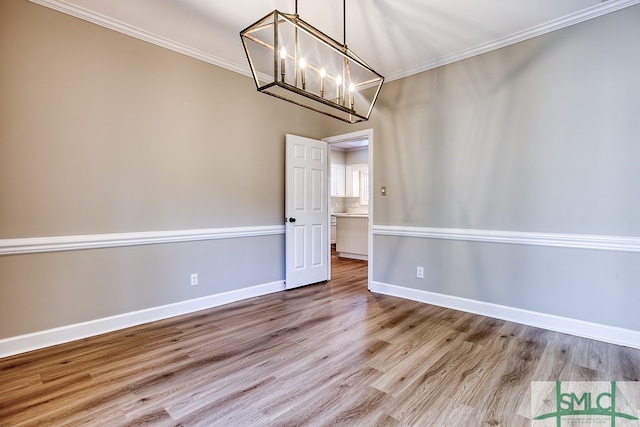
column 355, row 206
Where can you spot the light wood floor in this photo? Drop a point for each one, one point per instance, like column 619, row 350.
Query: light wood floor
column 328, row 354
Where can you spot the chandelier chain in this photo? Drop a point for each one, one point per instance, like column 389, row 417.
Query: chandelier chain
column 344, row 20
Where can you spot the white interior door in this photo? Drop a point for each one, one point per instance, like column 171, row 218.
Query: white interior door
column 306, row 211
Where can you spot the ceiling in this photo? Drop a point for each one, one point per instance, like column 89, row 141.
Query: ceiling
column 395, row 37
column 350, row 145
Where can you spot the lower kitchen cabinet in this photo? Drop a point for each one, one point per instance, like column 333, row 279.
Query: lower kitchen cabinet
column 352, row 236
column 333, row 230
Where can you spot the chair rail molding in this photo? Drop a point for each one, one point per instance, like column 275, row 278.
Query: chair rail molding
column 576, row 241
column 31, row 245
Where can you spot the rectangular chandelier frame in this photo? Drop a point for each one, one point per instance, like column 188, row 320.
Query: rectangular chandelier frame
column 293, row 61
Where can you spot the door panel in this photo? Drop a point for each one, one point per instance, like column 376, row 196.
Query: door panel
column 299, row 242
column 306, row 211
column 317, row 189
column 317, row 233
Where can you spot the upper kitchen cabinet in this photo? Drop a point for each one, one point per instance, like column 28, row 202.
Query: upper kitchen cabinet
column 337, row 180
column 357, row 178
column 364, row 186
column 346, row 181
column 352, row 181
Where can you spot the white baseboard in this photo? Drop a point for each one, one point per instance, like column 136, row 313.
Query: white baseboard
column 353, row 256
column 595, row 331
column 47, row 338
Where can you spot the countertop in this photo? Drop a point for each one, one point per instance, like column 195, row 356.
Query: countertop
column 350, row 215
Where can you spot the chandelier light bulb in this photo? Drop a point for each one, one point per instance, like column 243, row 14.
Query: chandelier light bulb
column 283, row 56
column 323, row 74
column 303, row 65
column 352, row 88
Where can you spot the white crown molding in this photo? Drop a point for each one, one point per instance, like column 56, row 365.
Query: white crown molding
column 113, row 24
column 581, row 328
column 31, row 245
column 42, row 339
column 121, row 27
column 538, row 30
column 576, row 241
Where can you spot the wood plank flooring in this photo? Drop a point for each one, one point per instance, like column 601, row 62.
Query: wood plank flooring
column 327, row 354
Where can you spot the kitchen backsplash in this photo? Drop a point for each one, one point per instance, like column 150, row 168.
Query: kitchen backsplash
column 348, row 204
column 338, row 205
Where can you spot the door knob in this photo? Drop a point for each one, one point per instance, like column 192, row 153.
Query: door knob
column 292, row 219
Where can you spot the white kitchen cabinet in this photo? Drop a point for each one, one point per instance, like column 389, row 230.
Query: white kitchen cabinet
column 352, row 181
column 333, row 229
column 352, row 236
column 346, row 181
column 364, row 186
column 337, row 180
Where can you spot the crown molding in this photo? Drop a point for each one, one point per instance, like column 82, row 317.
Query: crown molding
column 121, row 27
column 538, row 30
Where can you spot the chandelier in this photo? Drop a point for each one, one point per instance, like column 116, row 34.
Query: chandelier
column 293, row 61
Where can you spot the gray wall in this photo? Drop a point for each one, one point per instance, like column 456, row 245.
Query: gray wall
column 541, row 136
column 104, row 133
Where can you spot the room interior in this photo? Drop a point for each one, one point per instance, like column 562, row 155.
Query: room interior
column 130, row 161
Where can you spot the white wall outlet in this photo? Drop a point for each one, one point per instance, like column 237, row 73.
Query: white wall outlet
column 420, row 272
column 194, row 279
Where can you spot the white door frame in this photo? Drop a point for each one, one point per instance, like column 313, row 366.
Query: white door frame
column 360, row 134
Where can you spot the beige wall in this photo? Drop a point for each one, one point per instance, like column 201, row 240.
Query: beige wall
column 104, row 133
